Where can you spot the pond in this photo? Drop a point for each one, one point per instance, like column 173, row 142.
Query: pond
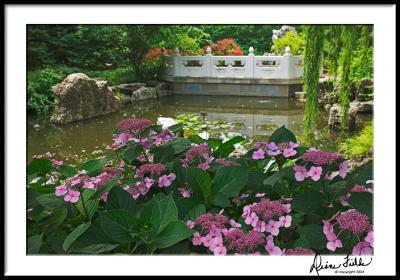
column 253, row 117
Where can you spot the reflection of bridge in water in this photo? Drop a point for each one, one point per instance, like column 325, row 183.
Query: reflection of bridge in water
column 250, row 116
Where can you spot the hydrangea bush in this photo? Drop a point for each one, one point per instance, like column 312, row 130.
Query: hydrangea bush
column 157, row 193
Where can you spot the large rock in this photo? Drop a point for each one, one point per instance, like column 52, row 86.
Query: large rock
column 355, row 108
column 79, row 97
column 126, row 88
column 334, row 116
column 144, row 93
column 279, row 33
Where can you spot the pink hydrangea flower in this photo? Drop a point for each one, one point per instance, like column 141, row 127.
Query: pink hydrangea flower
column 315, row 172
column 216, row 242
column 259, row 194
column 205, row 165
column 206, row 240
column 220, row 251
column 196, row 239
column 148, row 182
column 184, row 192
column 293, row 145
column 343, row 168
column 259, row 154
column 72, row 196
column 88, row 185
column 285, row 221
column 215, row 231
column 344, row 198
column 300, row 173
column 57, row 162
column 271, row 248
column 234, row 224
column 289, row 152
column 333, row 245
column 260, row 227
column 320, row 158
column 104, row 196
column 353, row 221
column 370, row 238
column 287, row 207
column 75, row 181
column 61, row 190
column 190, row 224
column 273, row 149
column 328, row 228
column 165, row 181
column 272, row 227
column 362, row 249
column 252, row 219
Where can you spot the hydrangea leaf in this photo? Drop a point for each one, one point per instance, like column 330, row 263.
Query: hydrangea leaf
column 172, row 234
column 282, row 134
column 118, row 225
column 78, row 231
column 309, row 201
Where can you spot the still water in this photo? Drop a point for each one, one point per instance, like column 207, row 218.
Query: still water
column 254, row 117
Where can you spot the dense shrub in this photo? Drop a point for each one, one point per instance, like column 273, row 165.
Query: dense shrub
column 156, row 193
column 291, row 39
column 227, row 46
column 40, row 95
column 114, row 76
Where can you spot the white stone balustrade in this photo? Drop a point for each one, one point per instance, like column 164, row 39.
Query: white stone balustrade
column 285, row 66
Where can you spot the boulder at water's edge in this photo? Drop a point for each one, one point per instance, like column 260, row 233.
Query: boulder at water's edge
column 79, row 97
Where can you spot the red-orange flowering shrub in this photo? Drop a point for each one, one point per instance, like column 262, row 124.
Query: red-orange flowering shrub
column 226, row 46
column 155, row 53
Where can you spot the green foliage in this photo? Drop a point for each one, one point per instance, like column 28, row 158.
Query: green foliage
column 307, row 202
column 156, row 221
column 118, row 225
column 40, row 96
column 115, row 76
column 312, row 64
column 345, row 67
column 359, row 145
column 188, row 38
column 313, row 236
column 362, row 202
column 362, row 62
column 332, row 48
column 282, row 134
column 78, row 231
column 292, row 39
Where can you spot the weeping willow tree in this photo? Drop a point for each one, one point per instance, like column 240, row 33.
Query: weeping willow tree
column 313, row 56
column 348, row 37
column 334, row 44
column 364, row 54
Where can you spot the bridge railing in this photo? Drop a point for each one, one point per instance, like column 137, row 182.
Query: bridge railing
column 285, row 66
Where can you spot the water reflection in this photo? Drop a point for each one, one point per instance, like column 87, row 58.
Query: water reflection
column 251, row 116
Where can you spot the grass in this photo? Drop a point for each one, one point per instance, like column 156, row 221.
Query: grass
column 360, row 144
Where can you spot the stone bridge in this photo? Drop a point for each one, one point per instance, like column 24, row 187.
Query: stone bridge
column 251, row 75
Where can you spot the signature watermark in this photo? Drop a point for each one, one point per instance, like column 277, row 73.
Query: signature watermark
column 342, row 267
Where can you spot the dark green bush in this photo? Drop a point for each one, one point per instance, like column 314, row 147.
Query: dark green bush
column 40, row 95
